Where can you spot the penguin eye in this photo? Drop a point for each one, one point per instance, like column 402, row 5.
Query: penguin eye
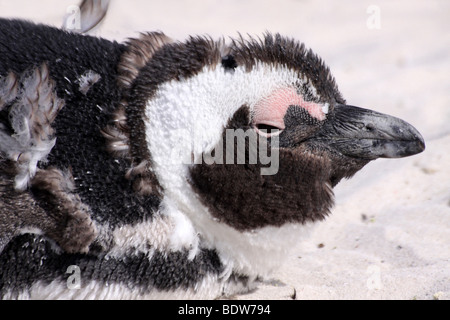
column 268, row 130
column 266, row 127
column 229, row 63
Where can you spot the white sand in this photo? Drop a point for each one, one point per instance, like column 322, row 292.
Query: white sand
column 402, row 248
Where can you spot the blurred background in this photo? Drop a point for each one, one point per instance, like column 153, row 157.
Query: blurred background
column 389, row 235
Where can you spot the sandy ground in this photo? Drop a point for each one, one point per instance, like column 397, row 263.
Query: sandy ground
column 389, row 234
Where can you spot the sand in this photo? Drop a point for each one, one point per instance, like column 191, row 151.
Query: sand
column 389, row 234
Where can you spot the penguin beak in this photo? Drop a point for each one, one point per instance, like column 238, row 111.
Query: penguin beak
column 366, row 134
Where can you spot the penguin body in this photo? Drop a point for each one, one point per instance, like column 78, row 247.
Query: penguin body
column 115, row 161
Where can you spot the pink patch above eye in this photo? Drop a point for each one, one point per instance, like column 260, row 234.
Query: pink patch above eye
column 272, row 109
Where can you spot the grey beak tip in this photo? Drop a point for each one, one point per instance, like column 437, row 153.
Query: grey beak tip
column 420, row 144
column 413, row 146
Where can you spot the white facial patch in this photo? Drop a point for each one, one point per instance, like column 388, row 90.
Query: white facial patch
column 186, row 119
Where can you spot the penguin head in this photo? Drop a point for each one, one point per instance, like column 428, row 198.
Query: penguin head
column 247, row 140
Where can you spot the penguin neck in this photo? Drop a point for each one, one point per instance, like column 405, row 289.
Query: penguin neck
column 254, row 253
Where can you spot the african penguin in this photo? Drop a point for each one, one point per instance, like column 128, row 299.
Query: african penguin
column 161, row 169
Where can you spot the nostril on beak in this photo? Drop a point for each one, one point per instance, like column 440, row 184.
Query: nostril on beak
column 370, row 127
